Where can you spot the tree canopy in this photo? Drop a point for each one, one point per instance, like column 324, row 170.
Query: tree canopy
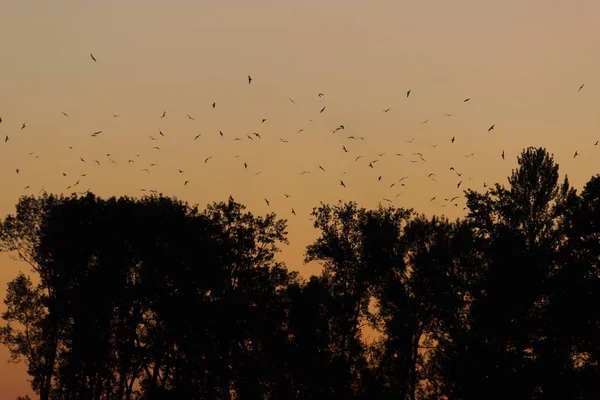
column 152, row 298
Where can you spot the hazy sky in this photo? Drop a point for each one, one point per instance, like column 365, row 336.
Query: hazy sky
column 520, row 62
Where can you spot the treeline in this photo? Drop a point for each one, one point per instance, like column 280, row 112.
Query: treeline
column 154, row 299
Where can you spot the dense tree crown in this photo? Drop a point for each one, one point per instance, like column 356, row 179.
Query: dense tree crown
column 155, row 299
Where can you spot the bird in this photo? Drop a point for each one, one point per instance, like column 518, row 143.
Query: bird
column 164, row 114
column 491, row 127
column 197, row 136
column 287, row 196
column 206, row 159
column 503, row 154
column 263, row 120
column 6, row 139
column 321, row 168
column 291, row 100
column 249, row 79
column 65, row 114
column 322, row 109
column 467, row 99
column 23, row 126
column 452, row 140
column 190, row 117
column 293, row 212
column 576, row 154
column 93, row 58
column 156, row 147
column 458, row 186
column 408, row 93
column 221, row 133
column 267, row 201
column 596, row 144
column 410, row 141
column 185, row 183
column 581, row 87
column 214, row 105
column 321, row 95
column 342, row 183
column 161, row 134
column 386, row 110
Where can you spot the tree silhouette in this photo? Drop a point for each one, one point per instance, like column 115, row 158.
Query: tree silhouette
column 153, row 298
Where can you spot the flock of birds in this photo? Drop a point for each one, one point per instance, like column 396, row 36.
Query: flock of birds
column 416, row 157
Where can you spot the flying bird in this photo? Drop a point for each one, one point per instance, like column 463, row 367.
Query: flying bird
column 190, row 117
column 467, row 99
column 65, row 114
column 408, row 93
column 206, row 159
column 491, row 127
column 581, row 87
column 342, row 183
column 452, row 140
column 321, row 95
column 322, row 109
column 503, row 154
column 576, row 154
column 24, row 126
column 164, row 114
column 386, row 110
column 93, row 58
column 249, row 79
column 267, row 201
column 214, row 105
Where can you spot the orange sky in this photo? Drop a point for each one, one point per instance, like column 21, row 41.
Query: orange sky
column 520, row 62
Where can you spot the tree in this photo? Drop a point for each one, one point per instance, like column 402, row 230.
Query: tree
column 146, row 294
column 519, row 232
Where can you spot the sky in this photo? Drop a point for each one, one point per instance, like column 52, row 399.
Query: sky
column 521, row 63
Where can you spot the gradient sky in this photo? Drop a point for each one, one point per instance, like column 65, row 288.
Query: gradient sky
column 520, row 62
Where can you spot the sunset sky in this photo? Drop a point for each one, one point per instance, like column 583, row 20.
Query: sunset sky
column 520, row 62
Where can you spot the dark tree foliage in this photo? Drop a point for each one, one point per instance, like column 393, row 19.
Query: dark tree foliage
column 155, row 299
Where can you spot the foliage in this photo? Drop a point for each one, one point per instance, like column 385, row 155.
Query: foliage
column 154, row 298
